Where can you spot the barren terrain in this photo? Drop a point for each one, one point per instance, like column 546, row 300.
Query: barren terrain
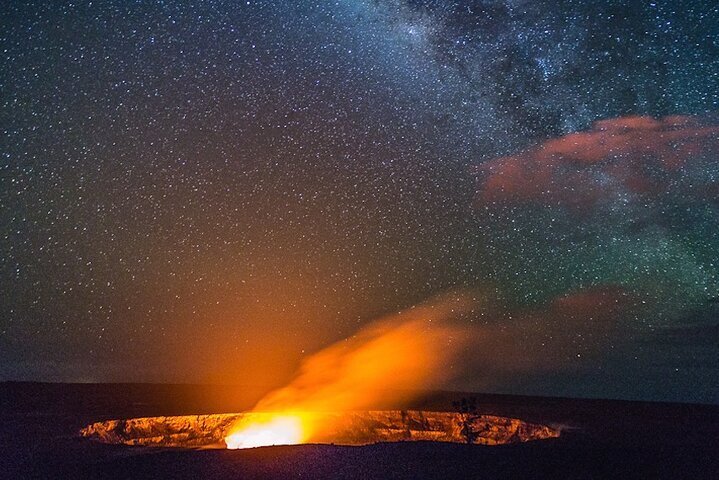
column 39, row 427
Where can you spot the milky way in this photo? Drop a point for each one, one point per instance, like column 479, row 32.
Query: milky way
column 192, row 189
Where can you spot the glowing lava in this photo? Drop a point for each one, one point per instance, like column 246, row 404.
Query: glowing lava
column 278, row 430
column 380, row 364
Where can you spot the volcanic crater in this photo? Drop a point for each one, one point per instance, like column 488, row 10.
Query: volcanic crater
column 341, row 428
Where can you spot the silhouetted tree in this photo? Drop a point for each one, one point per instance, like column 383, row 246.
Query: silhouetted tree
column 468, row 414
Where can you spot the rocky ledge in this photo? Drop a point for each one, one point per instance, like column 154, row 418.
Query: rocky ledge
column 345, row 428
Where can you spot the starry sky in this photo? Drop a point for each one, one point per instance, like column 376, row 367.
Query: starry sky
column 211, row 191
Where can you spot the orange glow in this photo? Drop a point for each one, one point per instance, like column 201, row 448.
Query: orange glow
column 276, row 430
column 382, row 365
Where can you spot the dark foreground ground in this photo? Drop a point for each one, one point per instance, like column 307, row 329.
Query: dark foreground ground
column 603, row 439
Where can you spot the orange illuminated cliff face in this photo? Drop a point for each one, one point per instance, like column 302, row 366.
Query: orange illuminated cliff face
column 379, row 365
column 341, row 428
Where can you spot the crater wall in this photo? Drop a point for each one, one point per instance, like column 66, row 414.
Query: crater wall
column 345, row 428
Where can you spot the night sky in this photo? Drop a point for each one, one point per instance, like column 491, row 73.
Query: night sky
column 211, row 191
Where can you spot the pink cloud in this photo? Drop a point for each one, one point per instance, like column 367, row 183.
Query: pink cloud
column 637, row 155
